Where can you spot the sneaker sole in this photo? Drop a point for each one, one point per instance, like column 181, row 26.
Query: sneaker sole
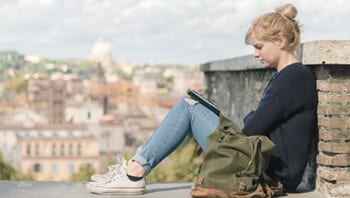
column 115, row 191
column 98, row 178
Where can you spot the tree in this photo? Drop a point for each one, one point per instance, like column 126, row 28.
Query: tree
column 182, row 165
column 84, row 173
column 18, row 84
column 8, row 172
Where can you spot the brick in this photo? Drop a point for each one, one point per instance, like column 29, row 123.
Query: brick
column 335, row 160
column 339, row 189
column 342, row 87
column 333, row 147
column 334, row 123
column 333, row 98
column 331, row 135
column 333, row 109
column 334, row 174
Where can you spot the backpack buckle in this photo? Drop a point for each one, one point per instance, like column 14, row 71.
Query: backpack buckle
column 242, row 185
column 200, row 179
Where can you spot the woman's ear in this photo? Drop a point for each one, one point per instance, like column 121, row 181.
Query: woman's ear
column 281, row 42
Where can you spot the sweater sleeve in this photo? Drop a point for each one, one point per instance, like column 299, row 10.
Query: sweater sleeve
column 284, row 96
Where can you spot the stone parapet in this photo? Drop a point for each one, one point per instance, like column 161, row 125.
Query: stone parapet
column 233, row 64
column 326, row 52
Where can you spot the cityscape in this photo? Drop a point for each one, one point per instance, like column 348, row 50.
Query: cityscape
column 60, row 115
column 84, row 82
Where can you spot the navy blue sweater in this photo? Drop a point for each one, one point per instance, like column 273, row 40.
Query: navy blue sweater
column 286, row 114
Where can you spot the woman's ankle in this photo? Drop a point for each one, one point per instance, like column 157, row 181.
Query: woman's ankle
column 135, row 169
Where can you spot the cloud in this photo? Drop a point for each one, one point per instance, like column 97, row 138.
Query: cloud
column 154, row 31
column 325, row 20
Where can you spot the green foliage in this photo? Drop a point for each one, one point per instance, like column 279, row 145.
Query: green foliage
column 110, row 160
column 81, row 68
column 121, row 74
column 20, row 176
column 182, row 165
column 18, row 84
column 21, row 67
column 7, row 172
column 84, row 173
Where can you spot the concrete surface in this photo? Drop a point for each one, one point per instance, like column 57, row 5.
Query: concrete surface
column 33, row 189
column 326, row 52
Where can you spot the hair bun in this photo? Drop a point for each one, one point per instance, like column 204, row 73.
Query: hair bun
column 287, row 11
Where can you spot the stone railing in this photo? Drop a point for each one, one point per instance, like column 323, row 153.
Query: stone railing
column 236, row 85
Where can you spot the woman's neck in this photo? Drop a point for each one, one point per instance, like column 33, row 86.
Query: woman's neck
column 285, row 60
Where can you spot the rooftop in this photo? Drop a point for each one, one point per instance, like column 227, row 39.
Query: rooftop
column 33, row 189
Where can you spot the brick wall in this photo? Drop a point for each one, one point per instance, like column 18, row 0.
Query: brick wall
column 334, row 136
column 236, row 84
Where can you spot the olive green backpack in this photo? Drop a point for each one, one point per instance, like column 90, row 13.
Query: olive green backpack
column 233, row 163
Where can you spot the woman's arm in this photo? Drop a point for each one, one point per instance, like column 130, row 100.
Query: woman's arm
column 284, row 96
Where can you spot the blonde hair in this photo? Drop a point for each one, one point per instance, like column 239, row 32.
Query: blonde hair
column 273, row 25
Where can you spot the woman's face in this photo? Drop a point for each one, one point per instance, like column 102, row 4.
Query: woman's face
column 267, row 52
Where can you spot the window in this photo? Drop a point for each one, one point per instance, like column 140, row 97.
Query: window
column 37, row 150
column 28, row 149
column 62, row 149
column 89, row 165
column 54, row 167
column 54, row 150
column 70, row 150
column 37, row 168
column 79, row 149
column 70, row 168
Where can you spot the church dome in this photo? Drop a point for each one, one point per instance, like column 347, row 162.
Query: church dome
column 101, row 51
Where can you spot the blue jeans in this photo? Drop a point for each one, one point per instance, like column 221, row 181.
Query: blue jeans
column 182, row 119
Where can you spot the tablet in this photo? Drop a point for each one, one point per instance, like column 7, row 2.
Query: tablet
column 204, row 101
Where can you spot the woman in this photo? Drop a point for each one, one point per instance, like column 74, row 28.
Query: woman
column 286, row 114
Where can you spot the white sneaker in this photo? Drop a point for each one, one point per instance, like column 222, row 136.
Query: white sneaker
column 111, row 170
column 118, row 183
column 102, row 177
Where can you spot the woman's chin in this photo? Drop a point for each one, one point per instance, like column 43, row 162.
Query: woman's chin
column 268, row 65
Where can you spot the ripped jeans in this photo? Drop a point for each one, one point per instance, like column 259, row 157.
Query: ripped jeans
column 182, row 119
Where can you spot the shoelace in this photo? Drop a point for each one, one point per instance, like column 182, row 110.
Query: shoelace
column 115, row 167
column 118, row 172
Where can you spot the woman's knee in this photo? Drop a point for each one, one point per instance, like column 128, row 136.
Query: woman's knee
column 190, row 100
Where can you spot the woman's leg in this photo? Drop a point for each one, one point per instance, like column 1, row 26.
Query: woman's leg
column 185, row 117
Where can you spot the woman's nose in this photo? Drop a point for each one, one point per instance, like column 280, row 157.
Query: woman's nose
column 256, row 54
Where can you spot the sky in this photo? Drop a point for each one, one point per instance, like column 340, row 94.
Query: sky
column 155, row 31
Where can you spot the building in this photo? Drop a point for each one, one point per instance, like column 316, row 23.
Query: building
column 48, row 98
column 85, row 112
column 120, row 96
column 12, row 102
column 112, row 139
column 56, row 95
column 54, row 154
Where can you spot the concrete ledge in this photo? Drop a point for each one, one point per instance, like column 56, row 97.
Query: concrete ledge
column 32, row 189
column 233, row 64
column 326, row 52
